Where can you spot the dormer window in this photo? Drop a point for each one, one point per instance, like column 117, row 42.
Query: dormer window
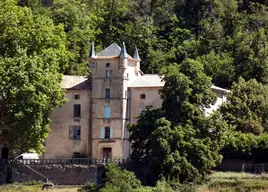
column 107, row 64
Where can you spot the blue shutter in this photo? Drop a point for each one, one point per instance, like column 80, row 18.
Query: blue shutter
column 107, row 112
column 74, row 132
column 102, row 132
column 111, row 132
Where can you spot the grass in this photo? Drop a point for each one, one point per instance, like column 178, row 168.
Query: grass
column 235, row 182
column 36, row 188
column 216, row 182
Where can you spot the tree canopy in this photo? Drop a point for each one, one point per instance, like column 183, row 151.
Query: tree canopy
column 178, row 141
column 32, row 55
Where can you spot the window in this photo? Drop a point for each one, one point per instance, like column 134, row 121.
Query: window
column 127, row 75
column 142, row 96
column 107, row 112
column 77, row 110
column 107, row 153
column 75, row 132
column 76, row 155
column 108, row 73
column 107, row 93
column 76, row 96
column 106, row 132
column 107, row 64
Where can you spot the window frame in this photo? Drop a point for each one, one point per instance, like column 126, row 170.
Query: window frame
column 107, row 93
column 75, row 132
column 107, row 132
column 76, row 96
column 143, row 96
column 77, row 111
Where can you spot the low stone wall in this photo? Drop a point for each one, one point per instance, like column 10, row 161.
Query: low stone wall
column 57, row 174
column 233, row 164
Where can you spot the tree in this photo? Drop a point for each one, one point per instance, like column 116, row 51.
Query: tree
column 186, row 92
column 37, row 34
column 246, row 107
column 32, row 52
column 119, row 180
column 80, row 25
column 178, row 141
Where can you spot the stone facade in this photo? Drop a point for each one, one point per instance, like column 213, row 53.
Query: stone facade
column 109, row 99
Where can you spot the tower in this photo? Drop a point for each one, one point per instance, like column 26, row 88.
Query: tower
column 111, row 71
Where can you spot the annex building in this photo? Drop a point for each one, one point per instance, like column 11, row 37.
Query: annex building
column 93, row 123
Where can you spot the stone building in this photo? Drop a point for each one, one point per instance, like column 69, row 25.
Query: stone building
column 93, row 122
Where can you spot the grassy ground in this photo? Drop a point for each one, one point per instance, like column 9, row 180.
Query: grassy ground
column 217, row 182
column 36, row 188
column 235, row 182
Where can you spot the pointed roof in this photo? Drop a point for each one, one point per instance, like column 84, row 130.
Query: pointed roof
column 123, row 53
column 113, row 50
column 136, row 54
column 92, row 51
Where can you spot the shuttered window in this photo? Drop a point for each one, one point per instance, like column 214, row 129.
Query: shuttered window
column 75, row 132
column 107, row 112
column 106, row 132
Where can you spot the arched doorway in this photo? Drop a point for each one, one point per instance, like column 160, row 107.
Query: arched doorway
column 4, row 153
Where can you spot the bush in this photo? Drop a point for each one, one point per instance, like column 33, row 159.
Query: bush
column 119, row 180
column 90, row 187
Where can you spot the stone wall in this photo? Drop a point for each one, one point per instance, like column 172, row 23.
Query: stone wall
column 57, row 174
column 233, row 164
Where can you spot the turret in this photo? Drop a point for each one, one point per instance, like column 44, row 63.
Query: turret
column 137, row 57
column 123, row 56
column 91, row 59
column 92, row 51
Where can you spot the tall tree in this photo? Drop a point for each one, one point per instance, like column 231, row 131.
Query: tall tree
column 32, row 52
column 246, row 107
column 178, row 141
column 79, row 22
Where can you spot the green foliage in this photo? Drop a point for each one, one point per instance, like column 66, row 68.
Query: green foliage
column 186, row 92
column 246, row 107
column 79, row 23
column 36, row 34
column 232, row 182
column 178, row 141
column 32, row 52
column 119, row 180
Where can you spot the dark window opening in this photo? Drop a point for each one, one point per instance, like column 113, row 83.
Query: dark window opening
column 77, row 110
column 4, row 153
column 142, row 96
column 76, row 155
column 107, row 93
column 107, row 64
column 107, row 152
column 76, row 96
column 107, row 133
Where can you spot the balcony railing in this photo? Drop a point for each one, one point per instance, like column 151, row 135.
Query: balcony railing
column 78, row 161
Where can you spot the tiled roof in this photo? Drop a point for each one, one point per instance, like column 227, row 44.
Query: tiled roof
column 147, row 80
column 219, row 88
column 154, row 80
column 75, row 82
column 112, row 50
